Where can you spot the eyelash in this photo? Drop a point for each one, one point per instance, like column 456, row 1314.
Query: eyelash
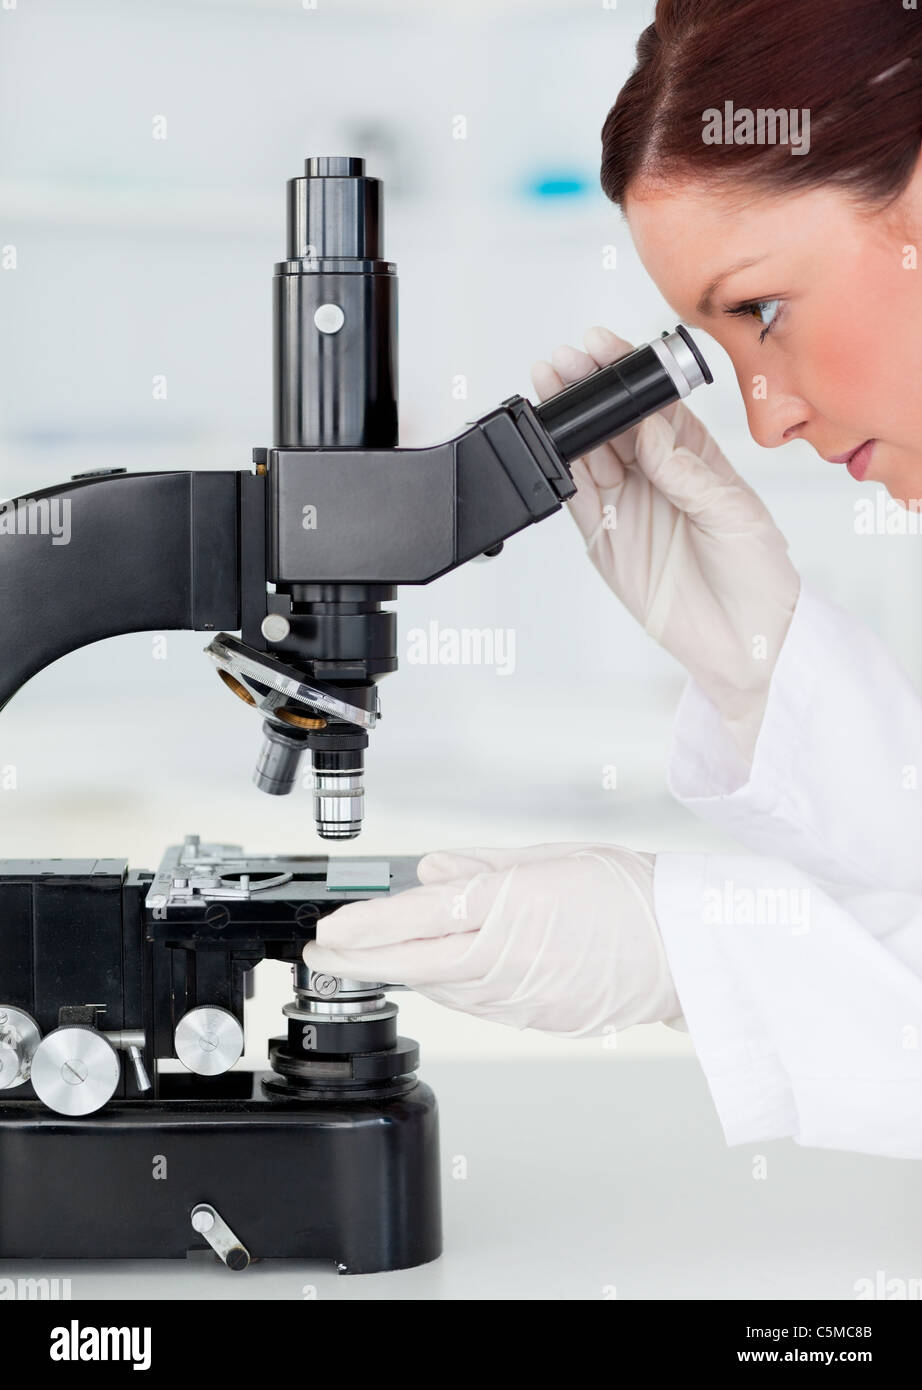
column 753, row 306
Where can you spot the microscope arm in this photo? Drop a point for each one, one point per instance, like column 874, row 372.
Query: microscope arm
column 123, row 552
column 138, row 552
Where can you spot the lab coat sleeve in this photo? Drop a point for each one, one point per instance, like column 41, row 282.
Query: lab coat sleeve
column 803, row 999
column 836, row 779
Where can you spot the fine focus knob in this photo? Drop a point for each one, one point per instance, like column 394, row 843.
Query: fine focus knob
column 75, row 1070
column 19, row 1037
column 208, row 1040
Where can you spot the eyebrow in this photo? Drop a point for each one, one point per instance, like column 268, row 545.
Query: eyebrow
column 704, row 303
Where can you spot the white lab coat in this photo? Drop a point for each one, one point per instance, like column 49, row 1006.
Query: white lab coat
column 799, row 966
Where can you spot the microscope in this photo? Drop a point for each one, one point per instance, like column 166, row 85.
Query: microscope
column 106, row 972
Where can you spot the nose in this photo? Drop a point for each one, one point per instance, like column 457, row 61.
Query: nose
column 775, row 415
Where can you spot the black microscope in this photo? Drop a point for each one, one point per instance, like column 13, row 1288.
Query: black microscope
column 105, row 972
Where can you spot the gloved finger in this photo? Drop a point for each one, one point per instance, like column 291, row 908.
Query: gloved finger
column 545, row 380
column 434, row 910
column 438, row 960
column 571, row 364
column 604, row 346
column 467, row 1000
column 456, row 863
column 690, row 483
column 694, row 435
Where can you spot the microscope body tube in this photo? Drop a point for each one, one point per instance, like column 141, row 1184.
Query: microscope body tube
column 335, row 386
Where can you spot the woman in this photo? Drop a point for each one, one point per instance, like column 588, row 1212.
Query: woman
column 797, row 968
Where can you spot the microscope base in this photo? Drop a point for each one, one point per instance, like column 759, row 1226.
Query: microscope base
column 356, row 1183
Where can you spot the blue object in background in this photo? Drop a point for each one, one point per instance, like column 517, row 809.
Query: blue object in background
column 558, row 185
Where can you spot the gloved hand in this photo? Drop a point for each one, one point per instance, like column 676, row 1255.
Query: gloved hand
column 685, row 543
column 557, row 937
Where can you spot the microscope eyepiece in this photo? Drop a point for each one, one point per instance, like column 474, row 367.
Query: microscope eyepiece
column 690, row 343
column 334, row 211
column 614, row 399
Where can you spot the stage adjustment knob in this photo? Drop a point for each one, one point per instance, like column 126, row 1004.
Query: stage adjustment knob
column 75, row 1070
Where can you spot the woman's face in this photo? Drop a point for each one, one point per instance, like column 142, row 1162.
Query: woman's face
column 824, row 328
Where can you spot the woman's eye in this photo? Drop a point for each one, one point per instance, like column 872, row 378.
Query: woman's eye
column 765, row 311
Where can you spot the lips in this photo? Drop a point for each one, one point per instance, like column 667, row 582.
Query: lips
column 856, row 460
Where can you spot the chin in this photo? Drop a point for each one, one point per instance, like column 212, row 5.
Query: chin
column 905, row 483
column 908, row 495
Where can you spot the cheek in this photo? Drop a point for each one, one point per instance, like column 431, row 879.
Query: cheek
column 848, row 366
column 858, row 342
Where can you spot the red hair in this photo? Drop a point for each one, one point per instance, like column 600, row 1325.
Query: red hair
column 854, row 65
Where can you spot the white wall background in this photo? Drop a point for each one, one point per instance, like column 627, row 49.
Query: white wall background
column 139, row 256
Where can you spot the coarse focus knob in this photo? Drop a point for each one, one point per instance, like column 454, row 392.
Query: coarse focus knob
column 75, row 1070
column 19, row 1037
column 208, row 1040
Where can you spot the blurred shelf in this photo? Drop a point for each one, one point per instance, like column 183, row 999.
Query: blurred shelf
column 116, row 206
column 256, row 210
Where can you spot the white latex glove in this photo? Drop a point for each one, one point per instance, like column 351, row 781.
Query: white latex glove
column 557, row 937
column 685, row 543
